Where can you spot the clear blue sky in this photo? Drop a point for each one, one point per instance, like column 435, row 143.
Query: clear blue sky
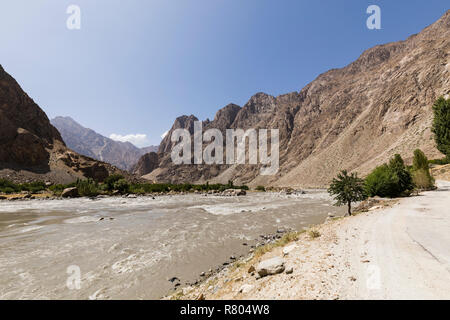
column 136, row 65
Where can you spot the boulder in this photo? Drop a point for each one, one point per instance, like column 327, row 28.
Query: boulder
column 270, row 267
column 70, row 192
column 288, row 249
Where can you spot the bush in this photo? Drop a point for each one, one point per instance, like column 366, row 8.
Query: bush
column 33, row 187
column 122, row 186
column 8, row 190
column 87, row 188
column 7, row 186
column 110, row 180
column 440, row 161
column 389, row 180
column 381, row 182
column 260, row 188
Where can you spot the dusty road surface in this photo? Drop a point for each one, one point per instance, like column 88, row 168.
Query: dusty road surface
column 401, row 251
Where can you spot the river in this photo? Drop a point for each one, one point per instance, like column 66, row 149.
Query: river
column 128, row 248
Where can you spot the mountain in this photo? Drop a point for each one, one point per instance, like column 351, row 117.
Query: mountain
column 353, row 118
column 146, row 164
column 149, row 149
column 87, row 142
column 31, row 148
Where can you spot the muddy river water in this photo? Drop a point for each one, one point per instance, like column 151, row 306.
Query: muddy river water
column 128, row 248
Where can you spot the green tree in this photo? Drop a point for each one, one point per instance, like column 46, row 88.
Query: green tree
column 420, row 160
column 347, row 189
column 441, row 125
column 398, row 168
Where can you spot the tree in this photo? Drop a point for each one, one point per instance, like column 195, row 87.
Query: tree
column 420, row 160
column 347, row 189
column 381, row 182
column 441, row 125
column 397, row 166
column 421, row 175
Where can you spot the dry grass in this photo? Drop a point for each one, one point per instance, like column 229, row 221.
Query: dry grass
column 313, row 233
column 285, row 239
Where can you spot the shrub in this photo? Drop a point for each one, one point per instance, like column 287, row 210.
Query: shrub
column 87, row 188
column 389, row 180
column 33, row 187
column 312, row 233
column 381, row 182
column 440, row 161
column 110, row 180
column 8, row 190
column 7, row 186
column 122, row 186
column 260, row 188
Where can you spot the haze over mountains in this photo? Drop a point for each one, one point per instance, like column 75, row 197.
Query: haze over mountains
column 85, row 141
column 354, row 118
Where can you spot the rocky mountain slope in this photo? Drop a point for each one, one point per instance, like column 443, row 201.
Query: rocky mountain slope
column 146, row 164
column 31, row 148
column 351, row 118
column 123, row 155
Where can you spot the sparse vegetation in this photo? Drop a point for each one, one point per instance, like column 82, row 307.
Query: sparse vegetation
column 313, row 233
column 285, row 239
column 347, row 189
column 10, row 187
column 441, row 162
column 114, row 183
column 87, row 188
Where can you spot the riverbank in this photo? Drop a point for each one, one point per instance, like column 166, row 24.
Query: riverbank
column 397, row 250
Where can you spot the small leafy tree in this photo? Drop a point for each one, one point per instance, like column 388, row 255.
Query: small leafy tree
column 441, row 125
column 347, row 189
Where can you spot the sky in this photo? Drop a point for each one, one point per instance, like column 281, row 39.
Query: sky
column 135, row 65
